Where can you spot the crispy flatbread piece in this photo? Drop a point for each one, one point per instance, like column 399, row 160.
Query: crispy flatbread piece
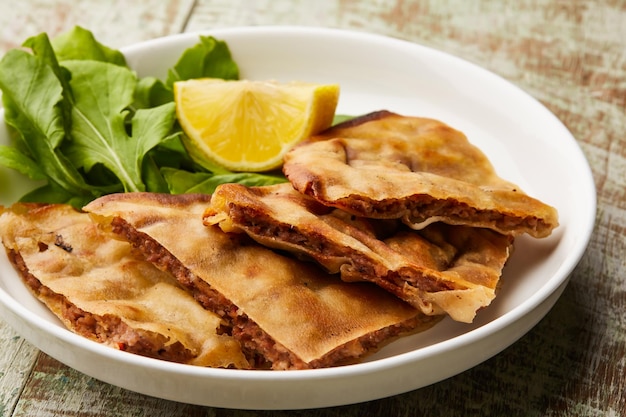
column 440, row 269
column 100, row 289
column 291, row 314
column 384, row 165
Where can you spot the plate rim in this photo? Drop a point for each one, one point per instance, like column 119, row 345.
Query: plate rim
column 367, row 368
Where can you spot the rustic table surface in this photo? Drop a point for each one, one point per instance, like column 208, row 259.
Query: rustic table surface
column 569, row 54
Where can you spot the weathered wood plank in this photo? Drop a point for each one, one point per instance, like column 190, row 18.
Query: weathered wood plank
column 210, row 14
column 16, row 361
column 54, row 387
column 116, row 23
column 569, row 55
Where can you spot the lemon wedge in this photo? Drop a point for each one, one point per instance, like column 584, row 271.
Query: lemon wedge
column 246, row 125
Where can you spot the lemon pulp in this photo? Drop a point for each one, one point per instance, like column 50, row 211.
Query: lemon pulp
column 249, row 125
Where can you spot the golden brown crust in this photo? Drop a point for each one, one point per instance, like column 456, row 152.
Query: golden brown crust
column 442, row 268
column 99, row 288
column 384, row 165
column 304, row 310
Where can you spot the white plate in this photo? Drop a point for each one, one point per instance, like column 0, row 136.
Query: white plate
column 526, row 143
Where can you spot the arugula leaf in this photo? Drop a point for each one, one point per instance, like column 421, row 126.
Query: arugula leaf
column 31, row 97
column 12, row 157
column 42, row 48
column 150, row 127
column 210, row 58
column 85, row 123
column 340, row 118
column 152, row 176
column 151, row 92
column 79, row 43
column 181, row 181
column 51, row 193
column 172, row 153
column 102, row 93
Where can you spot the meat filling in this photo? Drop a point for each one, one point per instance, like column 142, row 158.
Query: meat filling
column 326, row 251
column 421, row 207
column 103, row 329
column 259, row 347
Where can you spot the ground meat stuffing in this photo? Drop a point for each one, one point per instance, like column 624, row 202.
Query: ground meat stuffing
column 421, row 207
column 323, row 249
column 261, row 350
column 107, row 329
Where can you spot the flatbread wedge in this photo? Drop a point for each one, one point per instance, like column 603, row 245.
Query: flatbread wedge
column 439, row 269
column 100, row 289
column 286, row 314
column 384, row 165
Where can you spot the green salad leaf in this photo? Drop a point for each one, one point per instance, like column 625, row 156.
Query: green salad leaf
column 82, row 121
column 31, row 93
column 340, row 118
column 79, row 43
column 152, row 92
column 204, row 182
column 210, row 58
column 13, row 158
column 42, row 48
column 99, row 122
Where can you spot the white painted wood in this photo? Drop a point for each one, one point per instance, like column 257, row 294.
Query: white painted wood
column 570, row 55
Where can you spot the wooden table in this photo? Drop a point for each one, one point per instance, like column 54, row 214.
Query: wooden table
column 569, row 54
